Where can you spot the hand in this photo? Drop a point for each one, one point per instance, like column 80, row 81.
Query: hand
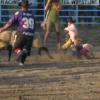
column 1, row 30
column 66, row 30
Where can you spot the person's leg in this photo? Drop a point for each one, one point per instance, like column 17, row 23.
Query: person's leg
column 78, row 49
column 27, row 48
column 49, row 25
column 46, row 38
column 58, row 40
column 74, row 39
column 76, row 42
column 58, row 33
column 18, row 47
column 19, row 43
column 67, row 44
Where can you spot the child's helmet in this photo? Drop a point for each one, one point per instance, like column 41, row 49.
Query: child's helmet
column 70, row 20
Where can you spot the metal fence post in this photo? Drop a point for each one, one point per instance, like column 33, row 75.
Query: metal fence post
column 0, row 10
column 44, row 7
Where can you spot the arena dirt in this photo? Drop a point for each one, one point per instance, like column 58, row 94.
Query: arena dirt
column 62, row 78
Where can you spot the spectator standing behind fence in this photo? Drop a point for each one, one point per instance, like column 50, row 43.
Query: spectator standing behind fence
column 52, row 20
column 24, row 19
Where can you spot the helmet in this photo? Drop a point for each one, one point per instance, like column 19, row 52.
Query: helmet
column 23, row 3
column 70, row 20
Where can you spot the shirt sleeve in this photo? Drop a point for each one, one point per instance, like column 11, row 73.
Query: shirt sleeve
column 69, row 28
column 66, row 29
column 13, row 19
column 73, row 28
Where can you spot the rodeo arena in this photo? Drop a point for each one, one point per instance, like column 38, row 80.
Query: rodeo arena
column 49, row 50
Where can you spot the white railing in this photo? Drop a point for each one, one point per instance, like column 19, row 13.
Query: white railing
column 82, row 14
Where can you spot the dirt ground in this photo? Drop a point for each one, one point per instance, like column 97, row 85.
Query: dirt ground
column 62, row 78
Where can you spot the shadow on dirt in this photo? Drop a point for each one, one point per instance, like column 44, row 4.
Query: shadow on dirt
column 59, row 65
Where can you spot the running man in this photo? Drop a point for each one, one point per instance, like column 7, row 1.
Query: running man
column 24, row 19
column 52, row 20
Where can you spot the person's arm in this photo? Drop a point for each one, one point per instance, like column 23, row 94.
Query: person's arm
column 47, row 5
column 10, row 22
column 4, row 27
column 66, row 29
column 59, row 5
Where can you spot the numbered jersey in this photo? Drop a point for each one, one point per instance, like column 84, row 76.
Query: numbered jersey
column 25, row 22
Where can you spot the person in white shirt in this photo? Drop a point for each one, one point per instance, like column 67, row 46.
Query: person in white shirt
column 72, row 33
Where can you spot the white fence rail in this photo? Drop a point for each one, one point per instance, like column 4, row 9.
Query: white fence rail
column 82, row 11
